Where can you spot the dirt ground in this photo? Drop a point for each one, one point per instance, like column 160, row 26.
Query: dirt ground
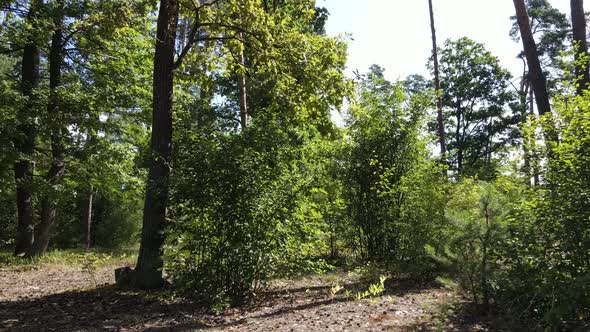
column 62, row 298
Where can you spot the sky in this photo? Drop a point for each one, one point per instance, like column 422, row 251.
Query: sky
column 395, row 34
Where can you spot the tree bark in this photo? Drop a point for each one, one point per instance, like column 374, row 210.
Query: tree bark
column 536, row 76
column 87, row 201
column 86, row 219
column 459, row 140
column 535, row 158
column 58, row 133
column 581, row 54
column 24, row 142
column 526, row 142
column 148, row 271
column 484, row 259
column 243, row 92
column 439, row 110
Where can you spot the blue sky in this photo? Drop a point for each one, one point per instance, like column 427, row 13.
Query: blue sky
column 396, row 33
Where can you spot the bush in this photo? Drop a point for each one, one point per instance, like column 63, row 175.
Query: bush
column 479, row 218
column 7, row 213
column 255, row 211
column 117, row 223
column 395, row 193
column 547, row 256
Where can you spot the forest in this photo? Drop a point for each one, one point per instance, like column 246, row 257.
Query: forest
column 209, row 165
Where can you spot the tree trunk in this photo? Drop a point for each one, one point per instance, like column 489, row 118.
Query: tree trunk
column 581, row 54
column 534, row 157
column 526, row 142
column 86, row 219
column 148, row 271
column 439, row 118
column 87, row 201
column 459, row 142
column 536, row 76
column 58, row 133
column 24, row 143
column 243, row 92
column 484, row 259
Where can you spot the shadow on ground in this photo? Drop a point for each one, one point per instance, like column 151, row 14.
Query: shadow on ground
column 104, row 308
column 110, row 309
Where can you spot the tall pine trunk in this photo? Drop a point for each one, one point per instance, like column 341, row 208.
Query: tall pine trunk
column 439, row 110
column 536, row 76
column 535, row 158
column 148, row 271
column 24, row 142
column 581, row 54
column 58, row 133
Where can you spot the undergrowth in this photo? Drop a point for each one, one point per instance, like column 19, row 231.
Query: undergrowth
column 86, row 260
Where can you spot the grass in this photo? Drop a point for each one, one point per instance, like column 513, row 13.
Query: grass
column 97, row 257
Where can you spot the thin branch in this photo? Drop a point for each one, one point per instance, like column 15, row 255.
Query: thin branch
column 193, row 33
column 71, row 34
column 189, row 43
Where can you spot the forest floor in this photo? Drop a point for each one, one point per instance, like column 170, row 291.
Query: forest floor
column 81, row 296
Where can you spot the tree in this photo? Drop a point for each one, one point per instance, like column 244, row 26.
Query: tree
column 439, row 106
column 580, row 45
column 24, row 142
column 478, row 213
column 254, row 199
column 9, row 97
column 475, row 95
column 58, row 131
column 79, row 55
column 148, row 271
column 551, row 31
column 386, row 169
column 243, row 90
column 536, row 75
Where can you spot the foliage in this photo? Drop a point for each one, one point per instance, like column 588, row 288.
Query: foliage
column 529, row 256
column 254, row 203
column 475, row 97
column 256, row 213
column 7, row 114
column 288, row 192
column 98, row 258
column 90, row 263
column 547, row 254
column 375, row 289
column 100, row 96
column 389, row 176
column 117, row 223
column 552, row 32
column 478, row 213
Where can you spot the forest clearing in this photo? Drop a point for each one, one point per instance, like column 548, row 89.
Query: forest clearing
column 62, row 294
column 222, row 165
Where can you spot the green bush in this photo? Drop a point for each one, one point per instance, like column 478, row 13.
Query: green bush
column 394, row 191
column 479, row 221
column 117, row 223
column 547, row 256
column 248, row 207
column 7, row 215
